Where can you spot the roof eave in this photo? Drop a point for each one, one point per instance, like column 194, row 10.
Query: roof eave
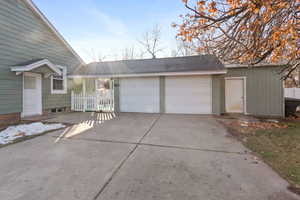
column 187, row 73
column 228, row 66
column 32, row 66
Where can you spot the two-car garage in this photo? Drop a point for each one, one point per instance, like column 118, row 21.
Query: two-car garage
column 179, row 85
column 187, row 85
column 169, row 94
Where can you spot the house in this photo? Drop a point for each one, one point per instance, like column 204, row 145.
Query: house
column 34, row 62
column 188, row 85
column 39, row 69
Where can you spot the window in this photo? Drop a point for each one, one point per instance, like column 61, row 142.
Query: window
column 102, row 84
column 59, row 83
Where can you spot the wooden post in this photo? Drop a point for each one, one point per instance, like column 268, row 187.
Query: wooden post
column 72, row 100
column 112, row 95
column 84, row 95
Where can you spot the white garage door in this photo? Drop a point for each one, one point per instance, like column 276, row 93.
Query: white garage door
column 139, row 95
column 189, row 95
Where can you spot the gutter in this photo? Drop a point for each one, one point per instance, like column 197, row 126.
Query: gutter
column 218, row 72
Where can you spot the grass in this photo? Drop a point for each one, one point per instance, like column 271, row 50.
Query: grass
column 280, row 148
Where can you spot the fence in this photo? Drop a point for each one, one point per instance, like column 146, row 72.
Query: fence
column 292, row 93
column 91, row 102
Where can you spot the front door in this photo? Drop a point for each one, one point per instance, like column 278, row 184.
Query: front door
column 32, row 94
column 234, row 92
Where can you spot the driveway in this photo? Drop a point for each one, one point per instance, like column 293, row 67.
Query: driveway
column 134, row 157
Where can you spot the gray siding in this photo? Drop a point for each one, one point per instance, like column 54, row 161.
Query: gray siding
column 264, row 91
column 23, row 37
column 54, row 100
column 162, row 94
column 117, row 95
column 217, row 94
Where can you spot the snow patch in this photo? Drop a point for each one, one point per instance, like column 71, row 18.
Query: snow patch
column 14, row 132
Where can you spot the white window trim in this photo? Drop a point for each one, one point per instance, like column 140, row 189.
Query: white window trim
column 64, row 91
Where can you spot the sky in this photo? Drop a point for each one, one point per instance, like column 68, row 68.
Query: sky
column 103, row 29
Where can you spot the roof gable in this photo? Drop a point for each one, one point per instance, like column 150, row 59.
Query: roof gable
column 38, row 12
column 34, row 64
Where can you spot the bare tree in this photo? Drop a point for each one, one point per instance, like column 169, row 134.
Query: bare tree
column 293, row 79
column 95, row 56
column 151, row 41
column 184, row 49
column 141, row 55
column 128, row 53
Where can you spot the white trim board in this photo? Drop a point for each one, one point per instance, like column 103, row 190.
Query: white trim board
column 151, row 74
column 39, row 13
column 254, row 66
column 32, row 66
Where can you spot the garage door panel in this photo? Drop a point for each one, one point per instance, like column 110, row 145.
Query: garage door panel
column 139, row 95
column 189, row 95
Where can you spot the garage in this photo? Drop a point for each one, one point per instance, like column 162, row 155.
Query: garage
column 139, row 95
column 188, row 95
column 180, row 85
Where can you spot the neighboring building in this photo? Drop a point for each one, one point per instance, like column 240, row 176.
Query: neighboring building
column 189, row 85
column 31, row 51
column 35, row 62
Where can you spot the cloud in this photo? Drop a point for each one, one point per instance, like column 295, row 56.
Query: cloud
column 101, row 34
column 110, row 47
column 108, row 23
column 107, row 36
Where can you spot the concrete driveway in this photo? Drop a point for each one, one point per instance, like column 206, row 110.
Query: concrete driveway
column 135, row 157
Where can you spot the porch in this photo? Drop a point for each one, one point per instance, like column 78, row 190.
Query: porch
column 94, row 94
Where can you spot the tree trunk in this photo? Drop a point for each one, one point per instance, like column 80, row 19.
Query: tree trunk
column 298, row 77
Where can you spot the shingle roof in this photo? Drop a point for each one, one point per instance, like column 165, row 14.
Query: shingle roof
column 160, row 65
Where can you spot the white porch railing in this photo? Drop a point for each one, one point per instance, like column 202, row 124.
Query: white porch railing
column 91, row 102
column 292, row 93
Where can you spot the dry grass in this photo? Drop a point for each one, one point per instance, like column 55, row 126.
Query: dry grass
column 277, row 144
column 281, row 149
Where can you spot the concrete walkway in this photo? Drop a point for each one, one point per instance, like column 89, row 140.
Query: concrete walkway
column 136, row 157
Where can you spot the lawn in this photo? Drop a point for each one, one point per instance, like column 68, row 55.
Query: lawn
column 278, row 147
